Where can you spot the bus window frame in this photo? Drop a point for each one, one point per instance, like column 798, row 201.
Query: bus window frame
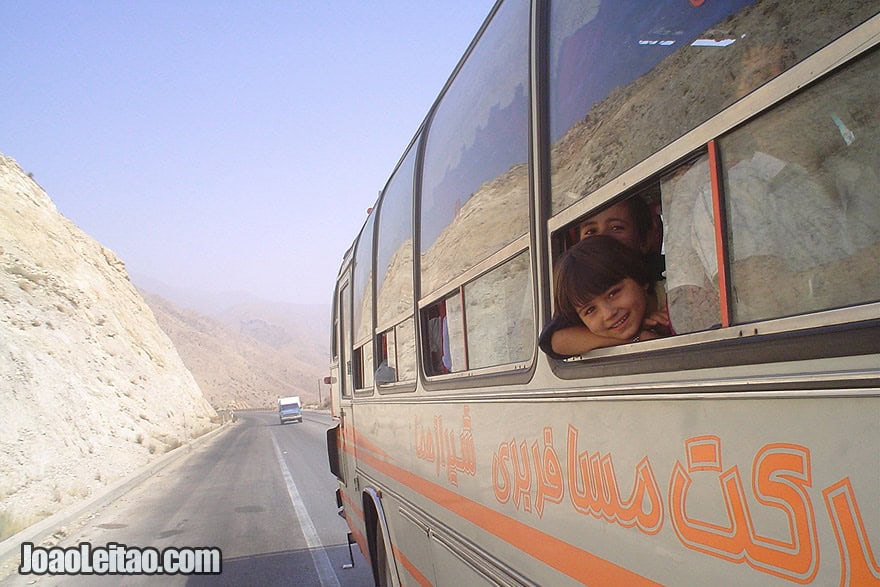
column 504, row 374
column 749, row 339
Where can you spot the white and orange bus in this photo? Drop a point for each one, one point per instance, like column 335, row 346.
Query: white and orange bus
column 744, row 449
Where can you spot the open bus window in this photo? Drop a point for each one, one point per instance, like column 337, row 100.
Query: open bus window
column 487, row 322
column 363, row 372
column 397, row 359
column 386, row 372
column 636, row 221
column 444, row 336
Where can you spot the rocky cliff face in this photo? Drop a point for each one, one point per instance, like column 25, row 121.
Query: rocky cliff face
column 90, row 387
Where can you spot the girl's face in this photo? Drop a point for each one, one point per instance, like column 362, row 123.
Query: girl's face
column 618, row 312
column 616, row 222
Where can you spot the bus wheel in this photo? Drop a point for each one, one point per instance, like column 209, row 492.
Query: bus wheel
column 383, row 565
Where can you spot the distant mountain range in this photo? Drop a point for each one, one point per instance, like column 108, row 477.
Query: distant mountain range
column 247, row 353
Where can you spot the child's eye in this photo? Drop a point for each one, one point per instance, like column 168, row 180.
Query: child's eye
column 613, row 292
column 588, row 310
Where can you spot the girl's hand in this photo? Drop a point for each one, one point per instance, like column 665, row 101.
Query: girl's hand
column 655, row 325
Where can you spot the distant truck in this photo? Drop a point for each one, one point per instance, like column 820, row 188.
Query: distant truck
column 289, row 409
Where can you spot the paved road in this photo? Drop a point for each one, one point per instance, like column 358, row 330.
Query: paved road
column 261, row 492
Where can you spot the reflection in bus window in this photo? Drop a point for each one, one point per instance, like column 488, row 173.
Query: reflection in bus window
column 345, row 329
column 606, row 115
column 803, row 210
column 362, row 288
column 692, row 292
column 500, row 318
column 803, row 214
column 394, row 255
column 394, row 277
column 475, row 180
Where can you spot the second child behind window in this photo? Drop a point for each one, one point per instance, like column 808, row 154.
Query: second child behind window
column 608, row 286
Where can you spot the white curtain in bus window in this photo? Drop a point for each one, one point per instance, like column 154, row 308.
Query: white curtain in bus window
column 628, row 78
column 500, row 318
column 692, row 294
column 475, row 187
column 803, row 199
column 362, row 288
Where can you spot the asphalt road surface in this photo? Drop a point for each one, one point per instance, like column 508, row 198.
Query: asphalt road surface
column 260, row 492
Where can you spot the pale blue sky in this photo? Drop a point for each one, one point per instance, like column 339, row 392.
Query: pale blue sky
column 223, row 146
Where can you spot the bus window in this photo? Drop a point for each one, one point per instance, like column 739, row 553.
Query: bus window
column 334, row 319
column 363, row 368
column 488, row 322
column 636, row 221
column 362, row 291
column 499, row 318
column 394, row 277
column 692, row 292
column 607, row 114
column 475, row 179
column 444, row 336
column 397, row 356
column 801, row 188
column 345, row 357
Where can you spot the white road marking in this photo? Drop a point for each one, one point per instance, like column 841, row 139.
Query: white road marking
column 319, row 556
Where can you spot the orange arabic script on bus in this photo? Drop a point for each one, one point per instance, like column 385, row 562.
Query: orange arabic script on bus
column 592, row 482
column 437, row 445
column 780, row 479
column 529, row 475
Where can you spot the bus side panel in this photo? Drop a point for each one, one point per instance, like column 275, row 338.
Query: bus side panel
column 673, row 491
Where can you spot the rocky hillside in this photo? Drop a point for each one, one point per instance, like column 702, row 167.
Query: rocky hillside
column 249, row 355
column 91, row 388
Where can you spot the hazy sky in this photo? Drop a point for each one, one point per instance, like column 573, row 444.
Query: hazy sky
column 223, row 146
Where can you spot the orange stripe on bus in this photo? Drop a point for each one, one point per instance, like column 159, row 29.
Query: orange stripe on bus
column 362, row 442
column 355, row 507
column 558, row 554
column 411, row 568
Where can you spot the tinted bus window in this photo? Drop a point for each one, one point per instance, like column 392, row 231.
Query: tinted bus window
column 628, row 78
column 475, row 184
column 362, row 288
column 499, row 338
column 394, row 260
column 394, row 278
column 801, row 187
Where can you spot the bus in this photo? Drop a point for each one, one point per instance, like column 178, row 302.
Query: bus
column 742, row 450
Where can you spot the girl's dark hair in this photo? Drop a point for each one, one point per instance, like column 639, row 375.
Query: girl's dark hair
column 592, row 266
